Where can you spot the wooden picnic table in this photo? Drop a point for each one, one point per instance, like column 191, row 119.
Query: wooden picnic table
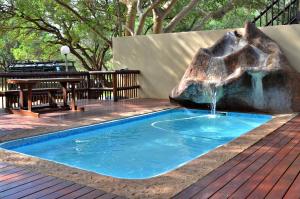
column 30, row 83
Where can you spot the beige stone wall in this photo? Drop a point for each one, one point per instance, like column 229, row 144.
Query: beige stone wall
column 162, row 59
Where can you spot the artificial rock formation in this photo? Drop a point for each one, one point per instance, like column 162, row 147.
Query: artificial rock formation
column 244, row 72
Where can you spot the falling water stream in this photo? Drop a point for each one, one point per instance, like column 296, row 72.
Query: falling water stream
column 213, row 105
column 257, row 87
column 211, row 93
column 216, row 72
column 257, row 79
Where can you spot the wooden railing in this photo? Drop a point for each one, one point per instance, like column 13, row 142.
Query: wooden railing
column 101, row 85
column 121, row 84
column 278, row 12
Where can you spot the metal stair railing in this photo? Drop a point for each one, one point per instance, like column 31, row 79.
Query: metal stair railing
column 278, row 12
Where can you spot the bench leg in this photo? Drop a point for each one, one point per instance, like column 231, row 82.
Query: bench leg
column 21, row 97
column 29, row 100
column 7, row 101
column 73, row 104
column 65, row 93
column 51, row 99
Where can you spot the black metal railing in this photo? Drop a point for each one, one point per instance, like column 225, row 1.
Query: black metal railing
column 278, row 12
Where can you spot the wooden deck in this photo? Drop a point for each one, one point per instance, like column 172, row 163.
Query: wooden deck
column 268, row 169
column 17, row 182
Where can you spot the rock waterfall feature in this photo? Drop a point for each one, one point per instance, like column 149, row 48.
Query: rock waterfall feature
column 241, row 72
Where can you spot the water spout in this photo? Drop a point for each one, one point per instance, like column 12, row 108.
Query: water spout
column 216, row 73
column 210, row 90
column 213, row 104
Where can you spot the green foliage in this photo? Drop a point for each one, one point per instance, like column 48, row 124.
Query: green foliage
column 243, row 10
column 35, row 46
column 233, row 19
column 6, row 44
column 36, row 29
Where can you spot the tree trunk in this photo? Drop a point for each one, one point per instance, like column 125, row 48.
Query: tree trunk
column 159, row 15
column 157, row 22
column 84, row 64
column 118, row 14
column 143, row 15
column 158, row 26
column 130, row 18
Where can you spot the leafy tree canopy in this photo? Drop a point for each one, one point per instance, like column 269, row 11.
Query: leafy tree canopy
column 35, row 29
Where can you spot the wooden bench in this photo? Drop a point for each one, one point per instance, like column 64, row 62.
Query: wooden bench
column 12, row 95
column 27, row 90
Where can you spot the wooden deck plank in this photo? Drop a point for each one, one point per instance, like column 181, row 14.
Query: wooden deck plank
column 20, row 176
column 204, row 182
column 34, row 189
column 267, row 184
column 285, row 146
column 227, row 177
column 15, row 176
column 92, row 195
column 11, row 173
column 285, row 181
column 21, row 182
column 255, row 180
column 78, row 193
column 9, row 170
column 26, row 186
column 2, row 166
column 63, row 192
column 294, row 190
column 49, row 190
column 271, row 163
column 18, row 182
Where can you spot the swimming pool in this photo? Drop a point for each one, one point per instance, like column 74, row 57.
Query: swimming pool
column 139, row 147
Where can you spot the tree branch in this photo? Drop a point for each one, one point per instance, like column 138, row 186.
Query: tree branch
column 130, row 19
column 84, row 20
column 160, row 14
column 185, row 11
column 220, row 13
column 143, row 15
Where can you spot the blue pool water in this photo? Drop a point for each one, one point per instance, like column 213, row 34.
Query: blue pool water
column 140, row 147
